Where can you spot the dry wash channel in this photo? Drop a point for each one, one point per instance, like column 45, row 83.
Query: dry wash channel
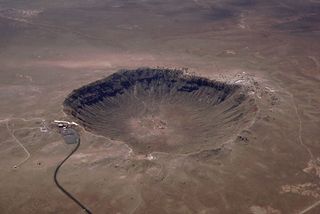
column 162, row 110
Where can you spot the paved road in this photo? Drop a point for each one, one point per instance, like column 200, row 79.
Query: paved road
column 86, row 210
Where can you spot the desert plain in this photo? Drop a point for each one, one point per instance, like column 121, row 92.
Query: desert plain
column 255, row 151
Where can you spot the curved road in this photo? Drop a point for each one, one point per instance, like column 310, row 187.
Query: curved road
column 21, row 145
column 86, row 210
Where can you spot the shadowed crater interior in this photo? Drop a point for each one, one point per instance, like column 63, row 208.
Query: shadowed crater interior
column 162, row 110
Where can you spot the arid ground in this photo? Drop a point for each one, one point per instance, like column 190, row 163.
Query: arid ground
column 260, row 157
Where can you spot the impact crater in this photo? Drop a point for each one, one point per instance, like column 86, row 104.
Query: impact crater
column 162, row 110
